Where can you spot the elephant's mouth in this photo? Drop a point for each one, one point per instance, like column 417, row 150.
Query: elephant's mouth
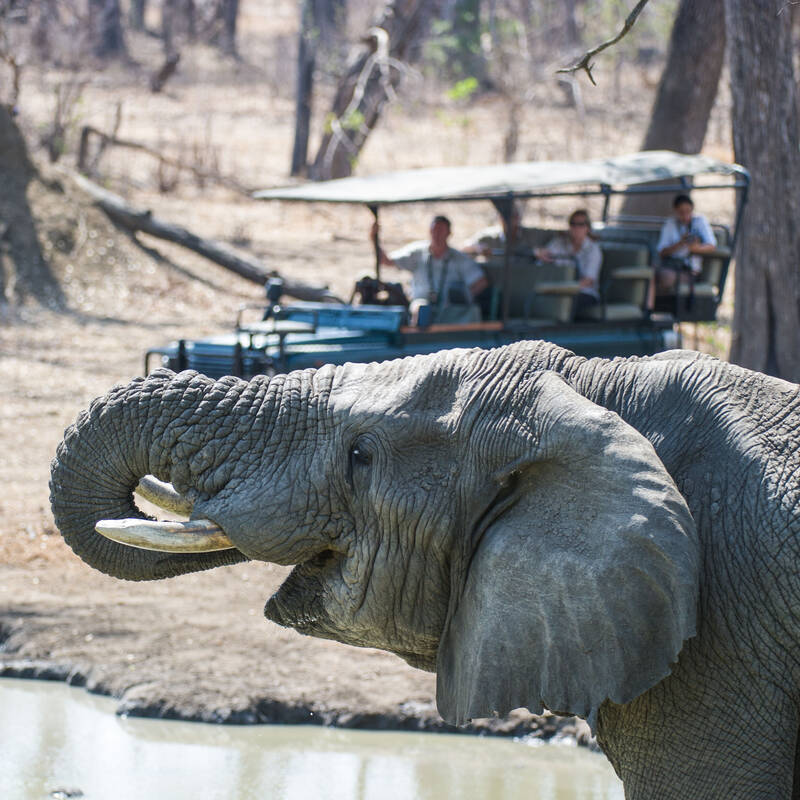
column 299, row 604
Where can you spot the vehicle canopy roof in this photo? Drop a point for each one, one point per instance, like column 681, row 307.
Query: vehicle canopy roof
column 498, row 182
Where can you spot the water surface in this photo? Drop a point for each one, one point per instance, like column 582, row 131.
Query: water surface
column 56, row 738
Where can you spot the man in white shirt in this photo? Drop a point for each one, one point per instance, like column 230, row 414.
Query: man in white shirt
column 683, row 240
column 440, row 275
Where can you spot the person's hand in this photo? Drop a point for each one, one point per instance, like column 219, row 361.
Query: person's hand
column 543, row 254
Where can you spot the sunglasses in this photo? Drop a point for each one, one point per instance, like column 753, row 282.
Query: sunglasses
column 577, row 224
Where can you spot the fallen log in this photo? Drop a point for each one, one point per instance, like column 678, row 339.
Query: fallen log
column 112, row 140
column 247, row 266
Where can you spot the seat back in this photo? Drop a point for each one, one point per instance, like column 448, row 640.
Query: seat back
column 525, row 273
column 623, row 279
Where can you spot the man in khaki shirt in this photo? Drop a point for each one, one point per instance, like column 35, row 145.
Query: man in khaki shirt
column 440, row 274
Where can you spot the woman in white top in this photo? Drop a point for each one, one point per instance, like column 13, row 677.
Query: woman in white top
column 578, row 245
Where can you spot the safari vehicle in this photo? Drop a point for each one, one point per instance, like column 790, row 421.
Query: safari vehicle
column 528, row 300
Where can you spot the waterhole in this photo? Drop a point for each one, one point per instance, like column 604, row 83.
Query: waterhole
column 59, row 742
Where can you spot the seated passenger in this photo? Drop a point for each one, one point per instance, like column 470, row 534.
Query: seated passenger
column 577, row 245
column 444, row 278
column 494, row 238
column 683, row 240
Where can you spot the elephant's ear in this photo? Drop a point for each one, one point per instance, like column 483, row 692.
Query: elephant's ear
column 585, row 587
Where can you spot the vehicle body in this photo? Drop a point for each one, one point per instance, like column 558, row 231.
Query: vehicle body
column 530, row 301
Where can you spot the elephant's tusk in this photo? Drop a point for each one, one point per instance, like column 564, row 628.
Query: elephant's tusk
column 163, row 495
column 195, row 536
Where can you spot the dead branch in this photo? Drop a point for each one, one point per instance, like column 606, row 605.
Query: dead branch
column 369, row 83
column 247, row 266
column 111, row 139
column 585, row 62
column 168, row 68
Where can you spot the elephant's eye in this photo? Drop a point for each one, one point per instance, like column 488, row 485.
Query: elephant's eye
column 359, row 456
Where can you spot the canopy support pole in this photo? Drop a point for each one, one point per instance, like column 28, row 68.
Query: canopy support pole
column 374, row 210
column 606, row 191
column 505, row 208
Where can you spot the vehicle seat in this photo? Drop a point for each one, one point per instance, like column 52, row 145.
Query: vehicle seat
column 708, row 286
column 537, row 292
column 698, row 302
column 624, row 280
column 458, row 314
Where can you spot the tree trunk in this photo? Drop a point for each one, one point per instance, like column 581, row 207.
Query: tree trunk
column 330, row 17
column 368, row 83
column 29, row 274
column 168, row 11
column 106, row 22
column 468, row 60
column 45, row 20
column 230, row 14
column 320, row 20
column 766, row 323
column 136, row 14
column 687, row 90
column 306, row 51
column 190, row 10
column 572, row 34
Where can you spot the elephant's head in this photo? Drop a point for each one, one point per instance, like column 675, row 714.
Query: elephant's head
column 472, row 514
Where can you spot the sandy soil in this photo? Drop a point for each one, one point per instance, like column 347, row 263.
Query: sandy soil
column 198, row 646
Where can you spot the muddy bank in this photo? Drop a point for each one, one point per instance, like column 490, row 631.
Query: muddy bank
column 198, row 648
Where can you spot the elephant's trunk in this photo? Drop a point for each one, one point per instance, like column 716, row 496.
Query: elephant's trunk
column 164, row 425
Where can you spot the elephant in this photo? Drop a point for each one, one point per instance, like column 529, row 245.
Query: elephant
column 616, row 539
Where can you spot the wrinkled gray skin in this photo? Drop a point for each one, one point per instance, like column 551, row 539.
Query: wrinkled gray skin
column 509, row 519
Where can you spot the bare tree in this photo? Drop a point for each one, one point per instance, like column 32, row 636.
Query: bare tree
column 766, row 324
column 687, row 89
column 106, row 25
column 24, row 272
column 467, row 58
column 229, row 12
column 169, row 11
column 369, row 82
column 136, row 14
column 320, row 20
column 572, row 34
column 306, row 62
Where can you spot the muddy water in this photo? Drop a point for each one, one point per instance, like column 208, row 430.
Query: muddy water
column 56, row 741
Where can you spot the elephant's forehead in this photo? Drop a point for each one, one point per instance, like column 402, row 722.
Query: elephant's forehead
column 393, row 387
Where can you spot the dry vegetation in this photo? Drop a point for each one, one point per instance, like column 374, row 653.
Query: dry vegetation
column 125, row 296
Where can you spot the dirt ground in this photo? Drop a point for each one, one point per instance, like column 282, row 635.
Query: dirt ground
column 198, row 646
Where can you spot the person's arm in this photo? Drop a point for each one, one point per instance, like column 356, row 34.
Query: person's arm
column 384, row 259
column 477, row 249
column 546, row 253
column 590, row 268
column 472, row 275
column 670, row 249
column 708, row 242
column 669, row 241
column 476, row 287
column 480, row 245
